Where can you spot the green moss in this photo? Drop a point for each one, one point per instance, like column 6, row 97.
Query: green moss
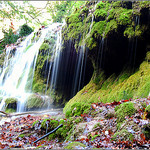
column 11, row 100
column 74, row 18
column 125, row 109
column 10, row 110
column 35, row 122
column 129, row 32
column 79, row 119
column 147, row 56
column 39, row 87
column 111, row 26
column 100, row 14
column 44, row 46
column 85, row 11
column 21, row 135
column 125, row 17
column 123, row 135
column 52, row 136
column 116, row 4
column 49, row 124
column 77, row 109
column 34, row 101
column 100, row 5
column 98, row 29
column 74, row 145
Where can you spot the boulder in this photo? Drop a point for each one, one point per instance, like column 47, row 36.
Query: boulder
column 11, row 102
column 36, row 101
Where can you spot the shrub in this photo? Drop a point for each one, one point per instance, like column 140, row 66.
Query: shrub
column 25, row 30
column 9, row 37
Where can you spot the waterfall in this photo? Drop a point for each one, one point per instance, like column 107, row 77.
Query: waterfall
column 18, row 70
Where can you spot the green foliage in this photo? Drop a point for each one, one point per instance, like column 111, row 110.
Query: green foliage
column 125, row 109
column 25, row 30
column 9, row 37
column 59, row 10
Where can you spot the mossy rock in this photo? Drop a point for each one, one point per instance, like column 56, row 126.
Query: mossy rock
column 77, row 109
column 11, row 103
column 125, row 109
column 36, row 101
column 75, row 145
column 49, row 124
column 10, row 110
column 123, row 135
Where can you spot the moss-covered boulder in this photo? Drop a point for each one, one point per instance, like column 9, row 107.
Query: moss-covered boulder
column 77, row 109
column 75, row 145
column 125, row 109
column 11, row 104
column 36, row 101
column 123, row 135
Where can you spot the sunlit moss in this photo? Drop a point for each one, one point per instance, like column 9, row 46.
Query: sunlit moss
column 125, row 109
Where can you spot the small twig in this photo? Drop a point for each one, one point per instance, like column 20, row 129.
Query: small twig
column 48, row 133
column 4, row 113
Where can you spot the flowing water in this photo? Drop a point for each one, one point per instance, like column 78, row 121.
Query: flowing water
column 18, row 70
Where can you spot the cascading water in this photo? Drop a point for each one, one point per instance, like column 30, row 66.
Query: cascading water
column 54, row 64
column 18, row 71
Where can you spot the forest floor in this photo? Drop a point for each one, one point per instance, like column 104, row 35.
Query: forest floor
column 99, row 131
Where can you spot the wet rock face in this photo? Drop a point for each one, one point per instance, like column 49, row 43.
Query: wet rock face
column 118, row 37
column 74, row 72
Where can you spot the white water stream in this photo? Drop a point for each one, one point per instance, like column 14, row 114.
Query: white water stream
column 17, row 73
